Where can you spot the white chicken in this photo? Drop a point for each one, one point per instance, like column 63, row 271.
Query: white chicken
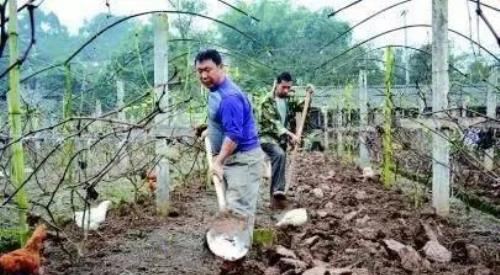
column 295, row 217
column 368, row 173
column 94, row 217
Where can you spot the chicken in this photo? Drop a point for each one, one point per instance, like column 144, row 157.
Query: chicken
column 93, row 219
column 151, row 180
column 368, row 173
column 295, row 217
column 26, row 260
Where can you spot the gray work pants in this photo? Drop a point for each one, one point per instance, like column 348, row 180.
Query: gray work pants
column 242, row 176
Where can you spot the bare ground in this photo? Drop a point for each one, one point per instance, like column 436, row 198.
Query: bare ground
column 347, row 228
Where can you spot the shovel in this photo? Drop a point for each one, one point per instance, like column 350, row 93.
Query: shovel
column 229, row 235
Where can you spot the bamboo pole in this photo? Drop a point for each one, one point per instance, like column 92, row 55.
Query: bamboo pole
column 491, row 110
column 69, row 145
column 387, row 160
column 325, row 128
column 348, row 105
column 340, row 139
column 364, row 156
column 120, row 95
column 15, row 112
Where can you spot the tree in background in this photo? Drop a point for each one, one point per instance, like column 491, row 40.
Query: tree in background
column 289, row 39
column 132, row 62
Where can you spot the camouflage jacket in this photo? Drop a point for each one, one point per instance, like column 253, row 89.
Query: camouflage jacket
column 270, row 126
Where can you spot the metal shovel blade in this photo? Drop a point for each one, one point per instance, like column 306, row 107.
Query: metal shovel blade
column 229, row 237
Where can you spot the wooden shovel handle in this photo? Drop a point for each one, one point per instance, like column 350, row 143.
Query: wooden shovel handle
column 293, row 159
column 218, row 185
column 305, row 109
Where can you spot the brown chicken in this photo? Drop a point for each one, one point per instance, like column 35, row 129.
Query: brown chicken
column 26, row 260
column 152, row 183
column 150, row 178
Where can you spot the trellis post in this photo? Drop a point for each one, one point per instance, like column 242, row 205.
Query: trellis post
column 340, row 141
column 491, row 109
column 162, row 119
column 440, row 88
column 324, row 111
column 364, row 158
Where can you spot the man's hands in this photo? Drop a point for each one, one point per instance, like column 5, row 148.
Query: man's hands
column 294, row 139
column 217, row 169
column 310, row 88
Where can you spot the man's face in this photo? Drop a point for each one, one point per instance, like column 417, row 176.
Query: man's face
column 283, row 88
column 209, row 73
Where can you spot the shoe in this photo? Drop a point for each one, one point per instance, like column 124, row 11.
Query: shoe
column 279, row 195
column 278, row 200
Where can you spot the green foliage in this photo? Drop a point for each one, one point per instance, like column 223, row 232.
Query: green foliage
column 264, row 237
column 133, row 63
column 288, row 40
column 9, row 240
column 348, row 101
column 182, row 24
column 107, row 44
column 420, row 63
column 478, row 70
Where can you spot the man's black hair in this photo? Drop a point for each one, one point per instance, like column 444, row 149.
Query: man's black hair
column 209, row 54
column 284, row 76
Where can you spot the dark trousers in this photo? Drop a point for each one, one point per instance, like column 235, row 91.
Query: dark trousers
column 278, row 163
column 283, row 142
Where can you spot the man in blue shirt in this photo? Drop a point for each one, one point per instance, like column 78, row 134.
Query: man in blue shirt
column 233, row 135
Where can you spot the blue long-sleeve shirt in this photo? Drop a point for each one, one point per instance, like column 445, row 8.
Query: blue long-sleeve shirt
column 230, row 115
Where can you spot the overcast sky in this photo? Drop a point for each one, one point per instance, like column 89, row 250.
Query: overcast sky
column 72, row 13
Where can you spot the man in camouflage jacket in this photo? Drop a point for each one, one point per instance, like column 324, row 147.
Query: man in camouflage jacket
column 276, row 115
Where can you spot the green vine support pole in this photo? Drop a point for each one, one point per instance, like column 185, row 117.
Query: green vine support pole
column 15, row 114
column 364, row 156
column 120, row 95
column 324, row 111
column 348, row 105
column 387, row 154
column 69, row 145
column 340, row 126
column 67, row 101
column 187, row 87
column 440, row 88
column 491, row 109
column 122, row 116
